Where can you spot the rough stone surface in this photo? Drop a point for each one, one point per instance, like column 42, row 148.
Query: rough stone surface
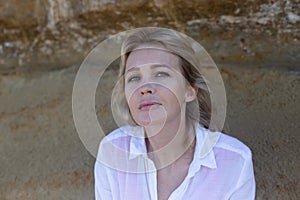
column 263, row 112
column 43, row 34
column 42, row 43
column 42, row 156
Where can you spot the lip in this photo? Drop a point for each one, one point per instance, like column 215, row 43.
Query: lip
column 147, row 105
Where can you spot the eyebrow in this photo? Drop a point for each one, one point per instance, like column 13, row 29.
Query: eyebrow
column 152, row 67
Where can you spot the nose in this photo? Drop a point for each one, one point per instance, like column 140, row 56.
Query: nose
column 146, row 89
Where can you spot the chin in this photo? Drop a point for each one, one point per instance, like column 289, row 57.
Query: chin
column 147, row 121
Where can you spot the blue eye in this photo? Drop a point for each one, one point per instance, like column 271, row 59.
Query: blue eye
column 133, row 78
column 162, row 74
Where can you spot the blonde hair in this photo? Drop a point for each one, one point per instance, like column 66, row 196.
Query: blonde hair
column 178, row 45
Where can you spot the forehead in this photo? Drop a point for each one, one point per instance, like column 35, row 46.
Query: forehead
column 151, row 55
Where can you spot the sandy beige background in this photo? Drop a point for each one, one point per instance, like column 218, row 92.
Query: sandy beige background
column 42, row 43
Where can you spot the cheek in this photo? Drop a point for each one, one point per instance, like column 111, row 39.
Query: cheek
column 130, row 96
column 128, row 91
column 175, row 91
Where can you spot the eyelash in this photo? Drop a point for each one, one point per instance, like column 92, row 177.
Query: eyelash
column 137, row 78
column 163, row 73
column 132, row 78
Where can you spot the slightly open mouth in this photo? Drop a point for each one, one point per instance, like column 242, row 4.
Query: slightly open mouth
column 148, row 106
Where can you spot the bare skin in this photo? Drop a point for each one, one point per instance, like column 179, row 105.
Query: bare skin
column 170, row 177
column 157, row 94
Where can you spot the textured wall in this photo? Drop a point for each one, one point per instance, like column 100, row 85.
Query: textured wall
column 42, row 156
column 58, row 33
column 42, row 42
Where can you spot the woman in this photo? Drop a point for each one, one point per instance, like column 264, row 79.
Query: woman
column 167, row 150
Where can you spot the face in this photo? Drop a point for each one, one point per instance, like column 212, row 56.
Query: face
column 155, row 89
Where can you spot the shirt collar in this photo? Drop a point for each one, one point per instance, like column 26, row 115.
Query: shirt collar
column 203, row 155
column 137, row 141
column 205, row 141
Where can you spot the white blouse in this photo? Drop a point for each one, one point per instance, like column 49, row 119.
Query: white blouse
column 221, row 168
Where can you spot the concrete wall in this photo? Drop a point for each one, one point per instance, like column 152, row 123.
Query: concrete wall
column 42, row 43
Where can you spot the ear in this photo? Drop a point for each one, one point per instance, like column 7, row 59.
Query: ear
column 191, row 93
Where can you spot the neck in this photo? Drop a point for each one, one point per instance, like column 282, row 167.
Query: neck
column 171, row 142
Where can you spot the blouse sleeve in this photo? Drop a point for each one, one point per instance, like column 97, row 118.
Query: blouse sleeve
column 246, row 184
column 102, row 187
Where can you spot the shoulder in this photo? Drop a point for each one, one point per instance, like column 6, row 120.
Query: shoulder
column 121, row 137
column 226, row 147
column 117, row 147
column 123, row 133
column 233, row 145
column 117, row 133
column 235, row 158
column 114, row 145
column 231, row 151
column 230, row 161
